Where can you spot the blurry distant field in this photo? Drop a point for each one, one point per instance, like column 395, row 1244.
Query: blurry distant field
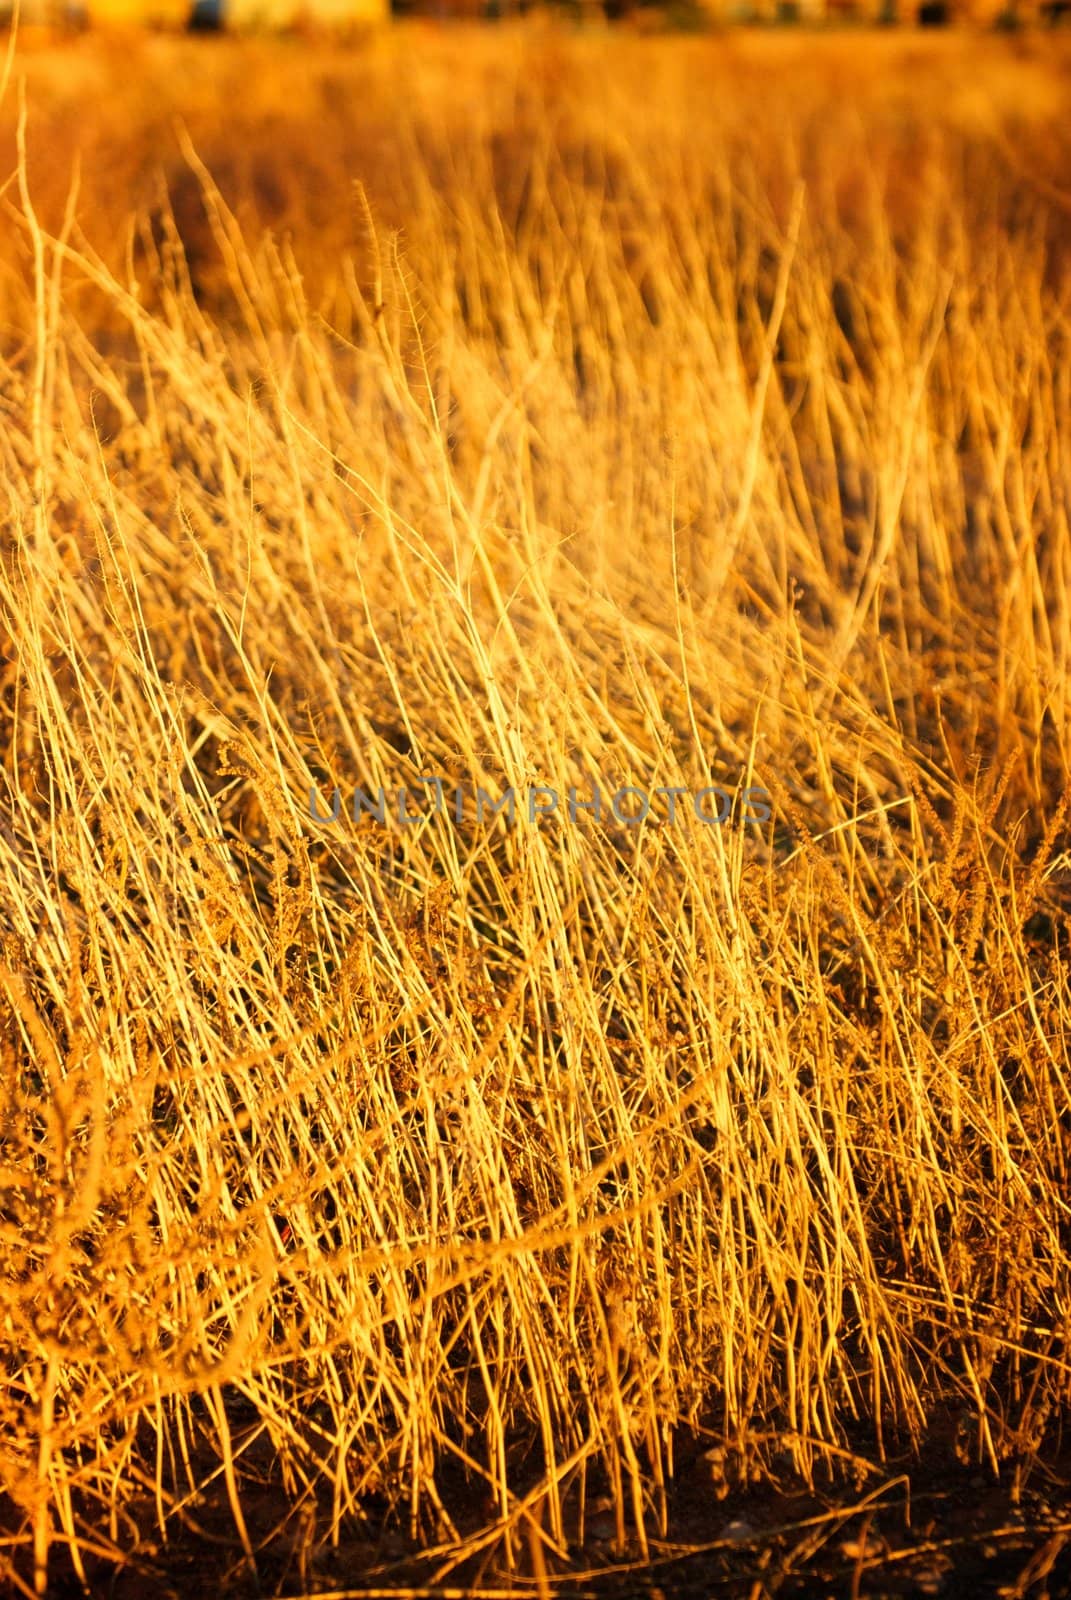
column 527, row 406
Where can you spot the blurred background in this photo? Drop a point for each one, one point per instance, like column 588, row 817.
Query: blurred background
column 209, row 15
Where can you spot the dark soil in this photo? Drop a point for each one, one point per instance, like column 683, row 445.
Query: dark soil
column 938, row 1526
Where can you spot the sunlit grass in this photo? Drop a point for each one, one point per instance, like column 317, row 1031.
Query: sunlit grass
column 597, row 412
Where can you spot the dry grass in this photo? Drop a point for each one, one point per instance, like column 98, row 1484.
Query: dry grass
column 708, row 415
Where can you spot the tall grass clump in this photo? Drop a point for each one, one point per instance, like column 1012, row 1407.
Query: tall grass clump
column 572, row 431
